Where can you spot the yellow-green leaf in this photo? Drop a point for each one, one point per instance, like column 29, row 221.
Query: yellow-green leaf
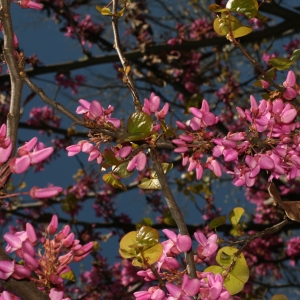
column 221, row 24
column 248, row 8
column 242, row 31
column 127, row 244
column 147, row 236
column 166, row 167
column 105, row 11
column 151, row 256
column 235, row 215
column 216, row 222
column 239, row 275
column 279, row 297
column 70, row 275
column 150, row 184
column 281, row 63
column 121, row 170
column 113, row 181
column 295, row 56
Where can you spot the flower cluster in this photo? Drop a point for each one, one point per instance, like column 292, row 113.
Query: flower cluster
column 207, row 285
column 49, row 265
column 86, row 30
column 68, row 82
column 198, row 141
column 43, row 116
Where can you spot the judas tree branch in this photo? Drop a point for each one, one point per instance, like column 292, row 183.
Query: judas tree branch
column 15, row 78
column 290, row 25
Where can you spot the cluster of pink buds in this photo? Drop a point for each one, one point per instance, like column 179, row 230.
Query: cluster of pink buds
column 179, row 286
column 94, row 112
column 152, row 105
column 272, row 143
column 49, row 265
column 5, row 145
column 198, row 141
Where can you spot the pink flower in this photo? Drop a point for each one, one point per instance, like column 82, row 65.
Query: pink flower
column 213, row 288
column 189, row 287
column 151, row 105
column 208, row 246
column 138, row 161
column 180, row 243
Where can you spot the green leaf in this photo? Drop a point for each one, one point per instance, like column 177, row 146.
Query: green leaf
column 110, row 157
column 113, row 181
column 248, row 8
column 281, row 63
column 166, row 167
column 221, row 24
column 239, row 275
column 147, row 221
column 216, row 222
column 121, row 170
column 216, row 8
column 150, row 184
column 147, row 236
column 242, row 31
column 139, row 122
column 130, row 137
column 295, row 56
column 70, row 275
column 120, row 13
column 235, row 215
column 279, row 297
column 105, row 11
column 126, row 245
column 151, row 255
column 261, row 17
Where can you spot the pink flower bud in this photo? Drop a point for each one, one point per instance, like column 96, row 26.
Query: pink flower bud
column 138, row 161
column 51, row 229
column 6, row 268
column 31, row 234
column 19, row 165
column 48, row 192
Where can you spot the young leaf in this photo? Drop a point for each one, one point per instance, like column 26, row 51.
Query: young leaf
column 147, row 236
column 121, row 170
column 166, row 167
column 221, row 25
column 113, row 181
column 70, row 275
column 235, row 215
column 126, row 245
column 216, row 222
column 139, row 122
column 110, row 157
column 281, row 63
column 248, row 8
column 150, row 184
column 239, row 274
column 295, row 56
column 279, row 297
column 148, row 257
column 242, row 31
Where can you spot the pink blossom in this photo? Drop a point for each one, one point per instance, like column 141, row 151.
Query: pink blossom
column 138, row 161
column 189, row 287
column 181, row 243
column 213, row 288
column 208, row 246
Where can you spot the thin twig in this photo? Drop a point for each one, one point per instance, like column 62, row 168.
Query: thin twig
column 127, row 75
column 53, row 103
